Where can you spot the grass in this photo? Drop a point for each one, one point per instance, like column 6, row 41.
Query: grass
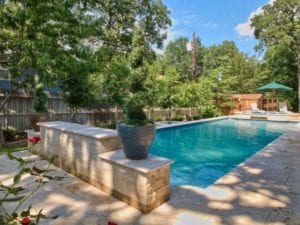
column 13, row 148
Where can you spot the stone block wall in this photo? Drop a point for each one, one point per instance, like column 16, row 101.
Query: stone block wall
column 76, row 147
column 93, row 155
column 144, row 184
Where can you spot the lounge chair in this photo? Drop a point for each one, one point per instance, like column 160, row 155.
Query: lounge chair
column 256, row 110
column 283, row 108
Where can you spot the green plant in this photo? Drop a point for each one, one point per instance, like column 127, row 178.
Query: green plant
column 16, row 193
column 134, row 110
column 158, row 119
column 196, row 117
column 210, row 111
column 9, row 133
column 178, row 118
column 13, row 148
column 39, row 98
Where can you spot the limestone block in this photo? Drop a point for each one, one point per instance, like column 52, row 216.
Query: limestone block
column 144, row 184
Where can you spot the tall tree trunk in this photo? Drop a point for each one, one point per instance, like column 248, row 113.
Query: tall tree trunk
column 2, row 106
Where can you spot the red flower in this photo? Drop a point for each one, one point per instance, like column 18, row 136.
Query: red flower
column 25, row 221
column 111, row 223
column 34, row 140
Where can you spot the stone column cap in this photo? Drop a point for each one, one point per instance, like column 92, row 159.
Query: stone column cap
column 32, row 132
column 143, row 166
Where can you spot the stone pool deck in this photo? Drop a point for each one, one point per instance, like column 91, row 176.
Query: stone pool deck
column 265, row 189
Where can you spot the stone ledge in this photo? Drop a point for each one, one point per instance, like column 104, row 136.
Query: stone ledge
column 33, row 133
column 89, row 131
column 143, row 166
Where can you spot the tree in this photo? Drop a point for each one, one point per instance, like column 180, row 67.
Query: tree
column 168, row 84
column 47, row 38
column 76, row 86
column 126, row 31
column 195, row 94
column 178, row 55
column 140, row 55
column 116, row 25
column 114, row 85
column 278, row 30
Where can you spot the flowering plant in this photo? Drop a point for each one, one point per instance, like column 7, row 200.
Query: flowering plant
column 17, row 194
column 34, row 140
column 25, row 221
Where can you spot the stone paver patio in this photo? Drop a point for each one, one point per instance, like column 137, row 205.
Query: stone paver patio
column 265, row 189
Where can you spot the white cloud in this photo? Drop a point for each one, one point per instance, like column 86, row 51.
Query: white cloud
column 245, row 29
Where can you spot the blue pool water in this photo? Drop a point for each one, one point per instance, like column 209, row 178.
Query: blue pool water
column 204, row 152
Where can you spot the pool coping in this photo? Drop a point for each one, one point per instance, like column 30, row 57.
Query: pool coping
column 168, row 126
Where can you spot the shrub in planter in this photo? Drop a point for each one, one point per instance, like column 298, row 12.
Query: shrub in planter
column 39, row 105
column 137, row 132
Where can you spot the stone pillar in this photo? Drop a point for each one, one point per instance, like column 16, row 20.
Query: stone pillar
column 143, row 184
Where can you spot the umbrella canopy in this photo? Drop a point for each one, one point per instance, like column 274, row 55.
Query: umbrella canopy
column 273, row 86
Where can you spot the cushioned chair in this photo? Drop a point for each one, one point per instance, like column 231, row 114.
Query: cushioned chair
column 255, row 110
column 283, row 108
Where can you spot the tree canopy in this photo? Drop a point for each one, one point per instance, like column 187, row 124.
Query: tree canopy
column 278, row 30
column 103, row 51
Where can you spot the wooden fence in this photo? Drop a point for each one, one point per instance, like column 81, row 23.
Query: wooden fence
column 18, row 109
column 100, row 116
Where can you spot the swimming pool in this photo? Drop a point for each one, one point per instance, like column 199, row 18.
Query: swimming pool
column 204, row 152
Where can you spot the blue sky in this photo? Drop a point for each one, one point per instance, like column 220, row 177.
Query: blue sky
column 215, row 20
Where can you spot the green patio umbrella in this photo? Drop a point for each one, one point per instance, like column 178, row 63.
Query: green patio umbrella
column 272, row 87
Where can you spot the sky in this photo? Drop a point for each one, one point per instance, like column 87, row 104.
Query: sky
column 215, row 21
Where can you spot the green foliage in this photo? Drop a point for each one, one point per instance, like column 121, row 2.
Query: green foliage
column 210, row 111
column 76, row 86
column 9, row 133
column 114, row 85
column 278, row 30
column 128, row 30
column 177, row 55
column 178, row 118
column 196, row 117
column 41, row 36
column 39, row 98
column 167, row 87
column 134, row 110
column 16, row 193
column 13, row 148
column 119, row 19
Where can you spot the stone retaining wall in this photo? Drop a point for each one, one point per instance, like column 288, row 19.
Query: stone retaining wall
column 91, row 154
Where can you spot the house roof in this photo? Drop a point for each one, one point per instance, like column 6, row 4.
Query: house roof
column 5, row 85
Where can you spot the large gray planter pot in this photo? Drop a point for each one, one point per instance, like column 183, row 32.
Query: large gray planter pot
column 136, row 140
